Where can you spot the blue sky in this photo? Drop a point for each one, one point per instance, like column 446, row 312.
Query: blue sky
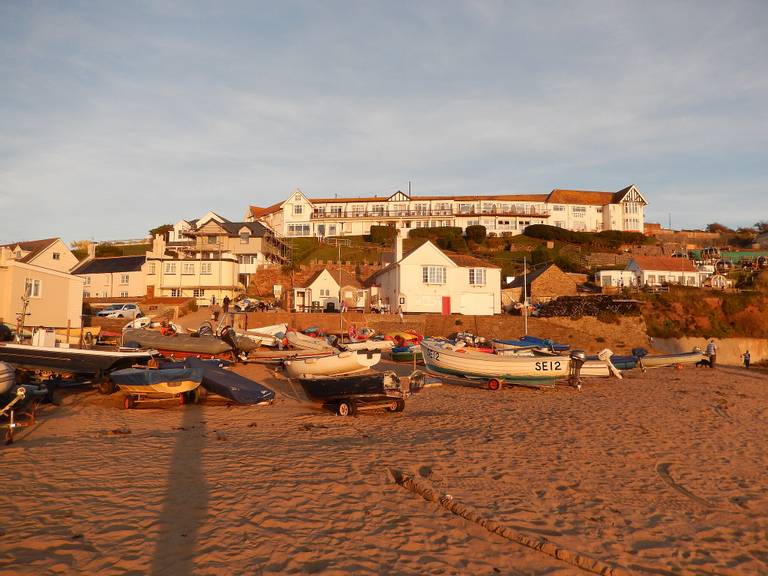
column 119, row 116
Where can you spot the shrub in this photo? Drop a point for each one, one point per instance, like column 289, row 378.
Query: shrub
column 476, row 233
column 383, row 235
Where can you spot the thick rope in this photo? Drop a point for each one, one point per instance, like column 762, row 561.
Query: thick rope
column 426, row 491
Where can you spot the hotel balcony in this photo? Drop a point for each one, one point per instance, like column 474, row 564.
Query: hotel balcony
column 417, row 214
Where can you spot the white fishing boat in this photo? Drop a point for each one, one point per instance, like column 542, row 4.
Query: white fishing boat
column 665, row 360
column 265, row 335
column 304, row 342
column 347, row 362
column 380, row 345
column 445, row 358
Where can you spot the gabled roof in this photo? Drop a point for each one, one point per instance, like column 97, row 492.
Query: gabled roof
column 664, row 263
column 34, row 247
column 590, row 197
column 529, row 277
column 466, row 261
column 111, row 265
column 256, row 228
column 347, row 279
column 257, row 212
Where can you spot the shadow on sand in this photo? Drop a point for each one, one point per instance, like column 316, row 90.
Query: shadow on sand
column 185, row 502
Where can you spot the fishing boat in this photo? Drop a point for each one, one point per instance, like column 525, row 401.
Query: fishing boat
column 94, row 362
column 271, row 356
column 665, row 360
column 406, row 353
column 179, row 345
column 153, row 384
column 346, row 395
column 229, row 385
column 381, row 345
column 87, row 335
column 347, row 362
column 304, row 342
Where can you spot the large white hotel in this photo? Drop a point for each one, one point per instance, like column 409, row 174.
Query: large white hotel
column 578, row 210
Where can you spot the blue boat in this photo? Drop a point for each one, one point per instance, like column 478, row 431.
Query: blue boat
column 545, row 343
column 230, row 385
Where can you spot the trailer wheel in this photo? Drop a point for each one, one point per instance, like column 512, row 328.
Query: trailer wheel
column 197, row 396
column 128, row 402
column 397, row 406
column 106, row 386
column 494, row 384
column 346, row 408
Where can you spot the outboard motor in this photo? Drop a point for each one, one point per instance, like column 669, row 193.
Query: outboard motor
column 229, row 336
column 639, row 352
column 578, row 357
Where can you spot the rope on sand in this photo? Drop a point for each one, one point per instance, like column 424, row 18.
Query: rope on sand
column 426, row 491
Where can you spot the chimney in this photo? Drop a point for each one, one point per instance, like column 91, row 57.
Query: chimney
column 91, row 248
column 398, row 246
column 158, row 245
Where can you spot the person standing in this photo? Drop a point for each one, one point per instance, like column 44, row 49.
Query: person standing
column 747, row 358
column 225, row 305
column 712, row 353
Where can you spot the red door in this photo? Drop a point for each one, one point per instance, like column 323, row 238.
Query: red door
column 446, row 305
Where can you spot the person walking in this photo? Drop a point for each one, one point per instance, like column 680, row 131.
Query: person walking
column 712, row 353
column 747, row 359
column 225, row 305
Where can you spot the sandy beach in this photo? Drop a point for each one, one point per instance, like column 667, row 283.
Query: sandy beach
column 659, row 473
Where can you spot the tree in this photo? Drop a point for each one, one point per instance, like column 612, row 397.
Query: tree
column 761, row 226
column 164, row 230
column 718, row 228
column 476, row 233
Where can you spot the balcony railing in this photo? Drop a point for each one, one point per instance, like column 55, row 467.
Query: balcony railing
column 536, row 213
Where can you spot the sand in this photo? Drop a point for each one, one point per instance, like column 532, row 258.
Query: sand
column 660, row 473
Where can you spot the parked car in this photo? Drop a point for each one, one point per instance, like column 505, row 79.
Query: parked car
column 120, row 311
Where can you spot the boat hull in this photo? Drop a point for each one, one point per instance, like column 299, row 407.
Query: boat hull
column 406, row 354
column 666, row 360
column 344, row 363
column 71, row 360
column 326, row 389
column 445, row 359
column 157, row 382
column 303, row 342
column 179, row 345
column 230, row 385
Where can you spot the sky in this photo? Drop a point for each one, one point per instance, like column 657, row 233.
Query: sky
column 116, row 117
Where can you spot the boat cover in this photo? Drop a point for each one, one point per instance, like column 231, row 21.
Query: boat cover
column 229, row 384
column 544, row 343
column 148, row 376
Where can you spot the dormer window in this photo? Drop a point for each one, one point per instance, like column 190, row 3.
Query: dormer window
column 17, row 255
column 244, row 237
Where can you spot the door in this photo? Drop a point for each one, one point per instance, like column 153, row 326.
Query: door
column 446, row 305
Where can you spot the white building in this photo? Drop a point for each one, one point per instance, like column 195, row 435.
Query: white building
column 323, row 289
column 658, row 270
column 427, row 279
column 300, row 216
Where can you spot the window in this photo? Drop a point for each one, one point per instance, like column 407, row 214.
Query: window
column 206, row 268
column 87, row 280
column 691, row 281
column 170, row 267
column 124, row 279
column 18, row 254
column 57, row 256
column 579, row 210
column 33, row 288
column 86, row 294
column 298, row 229
column 188, row 268
column 433, row 274
column 175, row 293
column 244, row 238
column 477, row 276
column 212, row 240
column 150, row 268
column 198, row 292
column 558, row 208
column 123, row 294
column 298, row 208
